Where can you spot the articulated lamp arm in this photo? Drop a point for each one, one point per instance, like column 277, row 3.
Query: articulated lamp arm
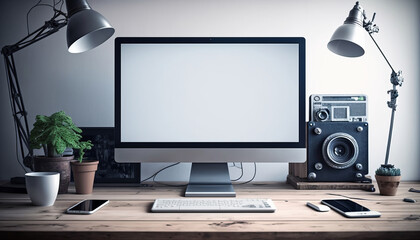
column 396, row 80
column 58, row 21
column 86, row 29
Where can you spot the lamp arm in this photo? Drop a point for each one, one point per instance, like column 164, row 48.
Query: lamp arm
column 391, row 124
column 396, row 80
column 380, row 50
column 15, row 95
column 50, row 27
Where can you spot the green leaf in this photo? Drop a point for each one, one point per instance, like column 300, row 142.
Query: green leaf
column 59, row 132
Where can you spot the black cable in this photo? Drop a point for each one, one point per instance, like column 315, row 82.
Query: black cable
column 39, row 4
column 61, row 6
column 156, row 173
column 166, row 184
column 27, row 15
column 153, row 176
column 56, row 3
column 234, row 165
column 242, row 173
column 253, row 177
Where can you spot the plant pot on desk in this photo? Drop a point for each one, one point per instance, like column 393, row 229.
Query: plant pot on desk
column 388, row 185
column 55, row 164
column 84, row 175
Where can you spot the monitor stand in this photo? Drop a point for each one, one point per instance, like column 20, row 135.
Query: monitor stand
column 210, row 180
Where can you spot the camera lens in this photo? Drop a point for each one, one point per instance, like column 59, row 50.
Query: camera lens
column 340, row 150
column 322, row 114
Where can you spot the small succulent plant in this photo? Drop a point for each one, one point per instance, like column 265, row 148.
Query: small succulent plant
column 388, row 171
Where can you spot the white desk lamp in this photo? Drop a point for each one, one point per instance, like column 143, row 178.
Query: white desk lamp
column 349, row 40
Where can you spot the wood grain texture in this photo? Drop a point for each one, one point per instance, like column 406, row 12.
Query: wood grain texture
column 299, row 170
column 128, row 216
column 304, row 184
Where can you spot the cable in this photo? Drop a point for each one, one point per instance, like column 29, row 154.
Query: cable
column 56, row 3
column 39, row 4
column 253, row 177
column 156, row 173
column 242, row 173
column 62, row 3
column 234, row 165
column 166, row 184
column 153, row 176
column 27, row 15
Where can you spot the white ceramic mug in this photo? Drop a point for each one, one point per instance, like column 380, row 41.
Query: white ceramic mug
column 42, row 187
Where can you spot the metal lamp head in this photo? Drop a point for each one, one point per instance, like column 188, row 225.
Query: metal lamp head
column 349, row 39
column 86, row 28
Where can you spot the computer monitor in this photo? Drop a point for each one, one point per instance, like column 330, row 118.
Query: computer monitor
column 210, row 101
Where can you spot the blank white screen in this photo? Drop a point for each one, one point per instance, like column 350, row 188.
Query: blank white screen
column 209, row 92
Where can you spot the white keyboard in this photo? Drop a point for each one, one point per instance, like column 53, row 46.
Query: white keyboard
column 213, row 205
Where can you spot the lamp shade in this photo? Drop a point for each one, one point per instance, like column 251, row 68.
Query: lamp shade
column 87, row 29
column 348, row 40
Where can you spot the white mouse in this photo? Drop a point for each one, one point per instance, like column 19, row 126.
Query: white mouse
column 319, row 208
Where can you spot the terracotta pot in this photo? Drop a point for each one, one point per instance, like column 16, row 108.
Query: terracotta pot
column 388, row 185
column 84, row 175
column 55, row 164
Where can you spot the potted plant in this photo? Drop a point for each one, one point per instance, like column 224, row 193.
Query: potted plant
column 84, row 171
column 55, row 134
column 388, row 178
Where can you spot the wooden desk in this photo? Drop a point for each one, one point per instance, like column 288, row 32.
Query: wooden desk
column 127, row 216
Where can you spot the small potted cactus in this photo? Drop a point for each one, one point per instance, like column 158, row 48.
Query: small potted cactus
column 388, row 178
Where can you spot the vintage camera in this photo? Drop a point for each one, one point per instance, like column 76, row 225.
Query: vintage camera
column 338, row 108
column 337, row 151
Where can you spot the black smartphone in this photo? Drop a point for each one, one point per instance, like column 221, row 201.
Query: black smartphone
column 348, row 208
column 87, row 206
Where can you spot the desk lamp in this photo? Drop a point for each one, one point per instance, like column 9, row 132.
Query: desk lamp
column 86, row 29
column 348, row 41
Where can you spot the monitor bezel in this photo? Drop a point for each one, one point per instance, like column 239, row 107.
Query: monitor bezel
column 119, row 41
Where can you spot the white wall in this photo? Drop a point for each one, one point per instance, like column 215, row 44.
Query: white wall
column 82, row 84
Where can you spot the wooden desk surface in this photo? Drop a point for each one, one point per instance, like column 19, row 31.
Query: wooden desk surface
column 128, row 216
